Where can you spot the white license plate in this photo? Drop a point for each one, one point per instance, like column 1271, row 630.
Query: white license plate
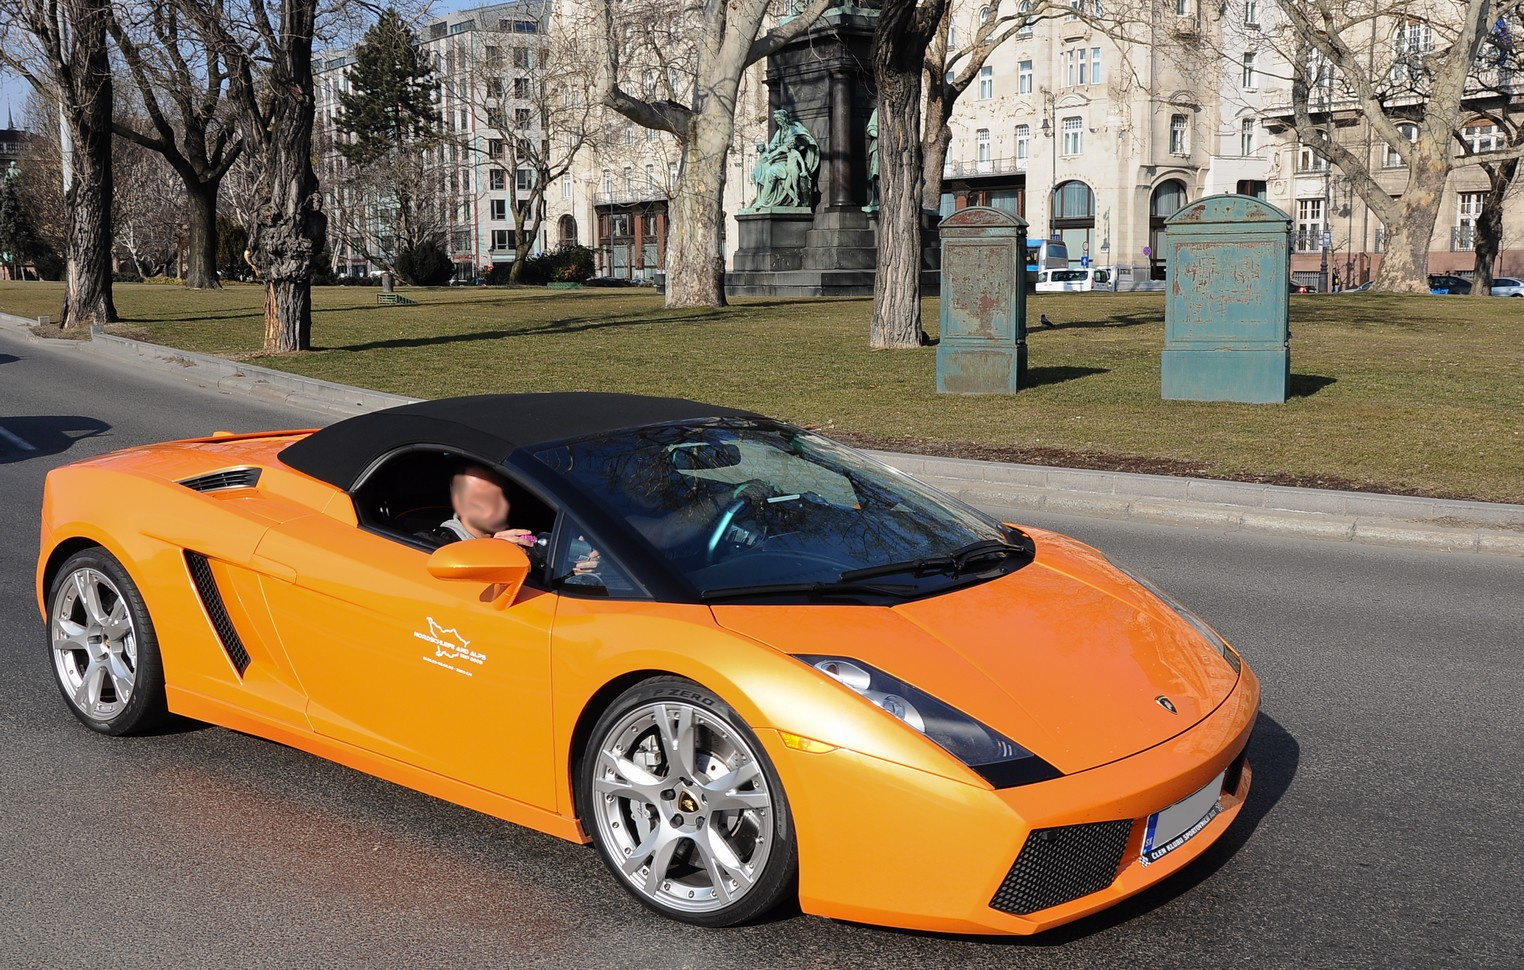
column 1171, row 828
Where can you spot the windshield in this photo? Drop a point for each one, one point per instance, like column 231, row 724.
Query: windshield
column 738, row 505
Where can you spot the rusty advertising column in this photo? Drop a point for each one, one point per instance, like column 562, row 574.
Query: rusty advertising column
column 1227, row 310
column 983, row 349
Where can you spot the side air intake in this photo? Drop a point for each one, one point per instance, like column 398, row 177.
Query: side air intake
column 216, row 610
column 218, row 481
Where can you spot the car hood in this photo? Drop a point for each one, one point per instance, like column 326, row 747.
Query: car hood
column 1066, row 657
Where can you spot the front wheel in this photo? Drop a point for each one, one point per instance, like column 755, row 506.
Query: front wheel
column 685, row 806
column 105, row 655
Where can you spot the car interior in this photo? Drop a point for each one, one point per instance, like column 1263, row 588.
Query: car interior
column 410, row 493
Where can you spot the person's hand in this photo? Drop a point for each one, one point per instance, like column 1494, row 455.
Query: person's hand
column 521, row 536
column 588, row 563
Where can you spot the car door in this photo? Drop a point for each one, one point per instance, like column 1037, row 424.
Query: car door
column 431, row 672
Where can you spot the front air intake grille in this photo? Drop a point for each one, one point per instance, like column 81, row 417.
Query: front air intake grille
column 229, row 478
column 216, row 610
column 1060, row 864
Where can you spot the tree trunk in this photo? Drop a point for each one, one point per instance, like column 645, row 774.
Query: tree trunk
column 201, row 256
column 1489, row 225
column 695, row 257
column 934, row 147
column 897, row 63
column 288, row 315
column 1405, row 265
column 87, row 111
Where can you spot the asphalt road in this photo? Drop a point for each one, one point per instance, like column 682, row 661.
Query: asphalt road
column 1382, row 830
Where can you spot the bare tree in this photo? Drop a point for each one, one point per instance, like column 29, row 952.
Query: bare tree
column 181, row 80
column 60, row 49
column 905, row 31
column 1405, row 70
column 536, row 93
column 267, row 53
column 687, row 62
column 149, row 209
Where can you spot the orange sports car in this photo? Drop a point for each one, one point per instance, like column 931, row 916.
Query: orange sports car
column 746, row 662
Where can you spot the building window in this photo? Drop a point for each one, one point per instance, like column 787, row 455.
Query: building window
column 499, row 209
column 1309, row 225
column 1413, row 41
column 1023, row 145
column 1073, row 143
column 629, row 180
column 524, row 179
column 499, row 240
column 952, row 37
column 1482, row 137
column 1178, row 140
column 1468, row 209
column 1251, row 13
column 982, row 141
column 1254, row 187
column 522, row 88
column 1026, row 21
column 986, row 83
column 1249, row 77
column 1095, row 65
column 1024, row 77
column 1182, row 8
column 523, row 58
column 497, row 179
column 1246, row 137
column 566, row 186
column 521, row 117
column 494, row 148
column 1308, row 159
column 984, row 15
column 1393, row 157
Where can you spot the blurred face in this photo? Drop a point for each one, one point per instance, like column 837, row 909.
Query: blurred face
column 477, row 496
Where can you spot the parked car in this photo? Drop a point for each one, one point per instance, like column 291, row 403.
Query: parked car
column 1362, row 288
column 1302, row 287
column 1445, row 283
column 1507, row 286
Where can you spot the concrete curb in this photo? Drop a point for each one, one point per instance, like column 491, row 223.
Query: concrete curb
column 1006, row 489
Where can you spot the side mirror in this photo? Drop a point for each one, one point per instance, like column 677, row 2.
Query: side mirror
column 494, row 561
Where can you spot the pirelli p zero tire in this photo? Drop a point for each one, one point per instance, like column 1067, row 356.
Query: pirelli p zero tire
column 102, row 645
column 685, row 807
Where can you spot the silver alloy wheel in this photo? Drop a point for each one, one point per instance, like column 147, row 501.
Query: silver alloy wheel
column 680, row 794
column 95, row 646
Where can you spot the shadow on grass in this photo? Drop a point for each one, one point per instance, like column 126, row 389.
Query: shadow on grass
column 1306, row 385
column 1105, row 323
column 568, row 326
column 1037, row 376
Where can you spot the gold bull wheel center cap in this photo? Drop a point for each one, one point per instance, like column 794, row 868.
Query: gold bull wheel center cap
column 687, row 803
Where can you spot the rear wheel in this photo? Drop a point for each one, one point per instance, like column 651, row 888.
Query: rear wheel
column 101, row 639
column 685, row 807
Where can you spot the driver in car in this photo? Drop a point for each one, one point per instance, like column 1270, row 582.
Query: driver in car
column 479, row 498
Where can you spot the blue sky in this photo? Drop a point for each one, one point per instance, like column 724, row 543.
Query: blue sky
column 14, row 91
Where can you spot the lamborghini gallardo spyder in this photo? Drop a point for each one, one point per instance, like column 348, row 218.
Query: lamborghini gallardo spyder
column 750, row 665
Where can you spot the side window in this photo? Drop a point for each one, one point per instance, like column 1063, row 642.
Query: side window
column 580, row 567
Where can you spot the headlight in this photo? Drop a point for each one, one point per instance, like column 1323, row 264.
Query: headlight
column 1218, row 643
column 999, row 760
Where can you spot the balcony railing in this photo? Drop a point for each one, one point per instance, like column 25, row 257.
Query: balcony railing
column 1462, row 238
column 1307, row 240
column 990, row 166
column 648, row 193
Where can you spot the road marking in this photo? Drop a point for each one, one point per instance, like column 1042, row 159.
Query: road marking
column 16, row 441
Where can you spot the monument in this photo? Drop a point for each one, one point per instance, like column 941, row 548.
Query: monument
column 810, row 230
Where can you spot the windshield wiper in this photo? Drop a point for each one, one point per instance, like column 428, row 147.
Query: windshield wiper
column 953, row 563
column 833, row 588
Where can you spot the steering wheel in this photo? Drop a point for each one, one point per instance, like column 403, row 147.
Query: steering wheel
column 744, row 497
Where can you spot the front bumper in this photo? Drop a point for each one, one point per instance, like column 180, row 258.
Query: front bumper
column 884, row 844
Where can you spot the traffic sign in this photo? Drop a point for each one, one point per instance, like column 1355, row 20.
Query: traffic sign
column 1084, row 262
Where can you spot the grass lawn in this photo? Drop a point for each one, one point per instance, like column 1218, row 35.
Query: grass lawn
column 1415, row 394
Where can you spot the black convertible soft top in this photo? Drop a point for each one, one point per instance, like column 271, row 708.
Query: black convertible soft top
column 492, row 426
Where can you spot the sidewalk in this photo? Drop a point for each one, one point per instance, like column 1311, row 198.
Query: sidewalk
column 1004, row 489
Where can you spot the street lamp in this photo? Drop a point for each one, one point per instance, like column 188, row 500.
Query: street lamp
column 1050, row 131
column 1325, row 82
